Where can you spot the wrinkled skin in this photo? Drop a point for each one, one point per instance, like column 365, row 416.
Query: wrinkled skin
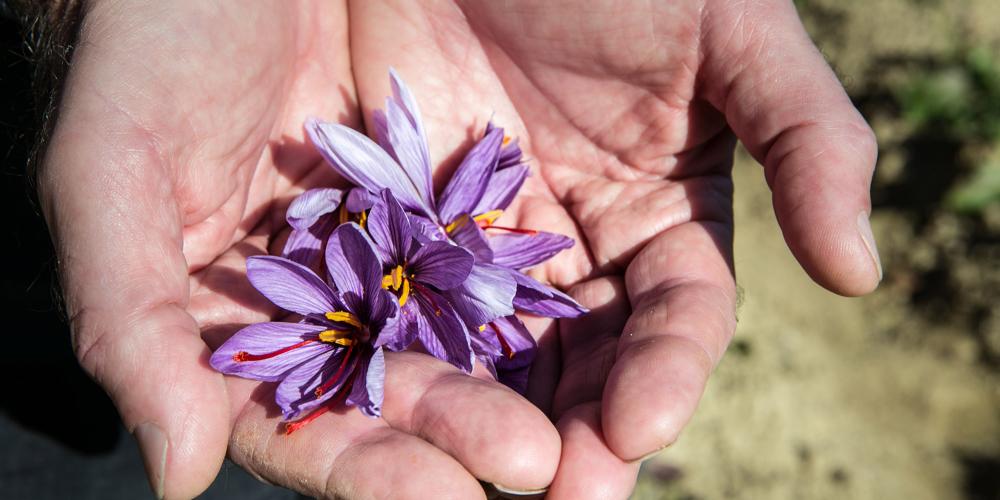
column 180, row 143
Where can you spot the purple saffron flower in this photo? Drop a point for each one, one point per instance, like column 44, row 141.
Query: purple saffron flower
column 311, row 217
column 418, row 272
column 336, row 351
column 506, row 349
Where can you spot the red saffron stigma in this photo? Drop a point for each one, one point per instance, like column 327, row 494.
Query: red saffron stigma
column 246, row 356
column 426, row 294
column 532, row 232
column 507, row 351
column 291, row 427
column 330, row 382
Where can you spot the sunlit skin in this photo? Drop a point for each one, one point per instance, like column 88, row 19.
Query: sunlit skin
column 180, row 144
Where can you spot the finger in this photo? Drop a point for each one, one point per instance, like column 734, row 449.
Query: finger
column 683, row 298
column 786, row 105
column 588, row 469
column 492, row 431
column 342, row 454
column 118, row 238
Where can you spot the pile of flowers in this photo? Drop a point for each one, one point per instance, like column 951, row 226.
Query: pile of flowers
column 387, row 265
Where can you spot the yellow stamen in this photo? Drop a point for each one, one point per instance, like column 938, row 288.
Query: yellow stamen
column 337, row 337
column 363, row 219
column 507, row 139
column 482, row 328
column 405, row 294
column 488, row 217
column 386, row 282
column 457, row 223
column 397, row 277
column 344, row 317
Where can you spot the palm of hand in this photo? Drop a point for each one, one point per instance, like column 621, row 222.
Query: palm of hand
column 629, row 158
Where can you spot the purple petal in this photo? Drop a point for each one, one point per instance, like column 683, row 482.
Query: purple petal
column 468, row 235
column 389, row 227
column 441, row 331
column 510, row 153
column 368, row 390
column 400, row 331
column 410, row 149
column 309, row 206
column 513, row 371
column 305, row 246
column 353, row 265
column 503, row 186
column 520, row 251
column 425, row 230
column 469, row 182
column 359, row 200
column 421, row 169
column 487, row 294
column 364, row 163
column 542, row 300
column 441, row 265
column 264, row 338
column 290, row 285
column 296, row 394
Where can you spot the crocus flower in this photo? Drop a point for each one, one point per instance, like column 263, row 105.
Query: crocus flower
column 337, row 348
column 507, row 349
column 418, row 272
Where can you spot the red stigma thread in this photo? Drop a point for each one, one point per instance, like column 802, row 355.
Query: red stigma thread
column 330, row 382
column 246, row 356
column 427, row 295
column 487, row 225
column 291, row 427
column 504, row 346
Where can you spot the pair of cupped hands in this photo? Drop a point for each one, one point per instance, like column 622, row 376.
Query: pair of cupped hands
column 180, row 142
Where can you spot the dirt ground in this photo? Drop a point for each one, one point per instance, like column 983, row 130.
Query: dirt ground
column 882, row 397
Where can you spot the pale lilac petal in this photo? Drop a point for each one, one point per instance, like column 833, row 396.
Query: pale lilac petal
column 296, row 394
column 469, row 182
column 353, row 265
column 410, row 149
column 521, row 251
column 542, row 300
column 309, row 206
column 364, row 163
column 487, row 294
column 263, row 338
column 368, row 390
column 404, row 97
column 468, row 235
column 441, row 264
column 390, row 229
column 359, row 200
column 503, row 186
column 290, row 285
column 380, row 127
column 441, row 331
column 305, row 246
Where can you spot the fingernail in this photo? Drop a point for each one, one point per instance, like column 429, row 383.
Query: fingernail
column 865, row 228
column 153, row 446
column 499, row 491
column 649, row 455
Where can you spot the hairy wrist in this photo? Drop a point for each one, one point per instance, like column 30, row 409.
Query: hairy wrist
column 49, row 28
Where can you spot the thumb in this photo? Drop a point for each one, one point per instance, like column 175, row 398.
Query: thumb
column 118, row 238
column 786, row 105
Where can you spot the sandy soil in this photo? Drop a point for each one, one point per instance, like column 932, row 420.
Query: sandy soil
column 826, row 397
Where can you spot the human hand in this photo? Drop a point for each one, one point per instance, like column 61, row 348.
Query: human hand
column 179, row 144
column 629, row 113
